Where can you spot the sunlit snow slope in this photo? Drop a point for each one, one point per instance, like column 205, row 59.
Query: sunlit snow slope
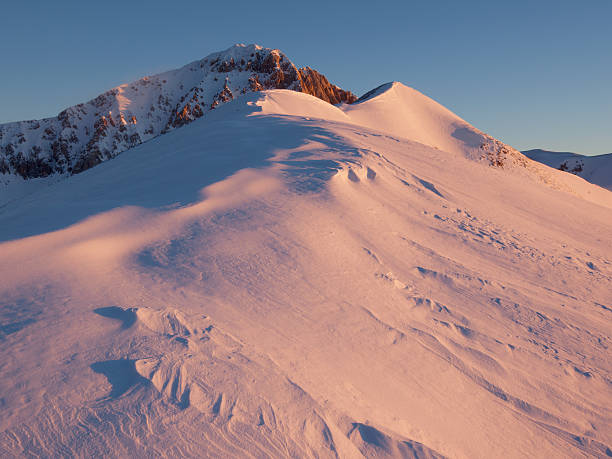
column 287, row 278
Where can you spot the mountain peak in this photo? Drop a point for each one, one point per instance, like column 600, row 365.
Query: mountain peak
column 125, row 116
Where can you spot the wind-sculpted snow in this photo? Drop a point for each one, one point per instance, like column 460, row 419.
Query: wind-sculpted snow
column 280, row 279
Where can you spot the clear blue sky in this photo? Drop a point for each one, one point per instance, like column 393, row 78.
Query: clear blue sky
column 531, row 73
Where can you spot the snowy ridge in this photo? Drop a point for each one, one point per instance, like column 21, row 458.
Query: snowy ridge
column 85, row 135
column 128, row 115
column 398, row 110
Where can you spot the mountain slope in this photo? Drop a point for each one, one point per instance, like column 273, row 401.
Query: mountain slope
column 278, row 280
column 400, row 110
column 85, row 135
column 595, row 169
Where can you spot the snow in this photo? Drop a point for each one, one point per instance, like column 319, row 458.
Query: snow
column 286, row 278
column 400, row 110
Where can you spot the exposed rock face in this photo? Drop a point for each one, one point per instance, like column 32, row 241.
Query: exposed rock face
column 84, row 135
column 317, row 85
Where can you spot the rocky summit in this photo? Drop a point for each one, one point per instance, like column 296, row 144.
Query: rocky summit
column 87, row 134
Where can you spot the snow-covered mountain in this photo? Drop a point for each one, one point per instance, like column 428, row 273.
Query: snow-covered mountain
column 87, row 134
column 596, row 169
column 288, row 278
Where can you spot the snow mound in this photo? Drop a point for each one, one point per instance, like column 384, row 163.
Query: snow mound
column 290, row 103
column 405, row 112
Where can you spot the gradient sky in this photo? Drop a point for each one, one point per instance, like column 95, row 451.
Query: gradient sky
column 535, row 74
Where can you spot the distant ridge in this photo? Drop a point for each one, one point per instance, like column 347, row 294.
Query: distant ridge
column 595, row 169
column 87, row 134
